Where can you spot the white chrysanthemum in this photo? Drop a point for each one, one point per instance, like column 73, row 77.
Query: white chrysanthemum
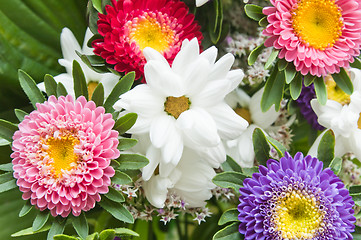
column 200, row 2
column 241, row 149
column 184, row 105
column 342, row 115
column 69, row 46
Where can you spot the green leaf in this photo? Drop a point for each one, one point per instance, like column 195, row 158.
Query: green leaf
column 336, row 165
column 254, row 54
column 61, row 90
column 80, row 85
column 117, row 210
column 125, row 122
column 263, row 22
column 97, row 4
column 50, row 85
column 121, row 178
column 98, row 95
column 296, row 86
column 356, row 63
column 355, row 189
column 343, row 81
column 326, row 148
column 231, row 215
column 125, row 231
column 215, row 21
column 7, row 130
column 273, row 92
column 290, row 73
column 231, row 166
column 277, row 145
column 64, row 237
column 8, row 185
column 56, row 228
column 126, row 143
column 229, row 180
column 94, row 236
column 25, row 209
column 261, row 147
column 115, row 195
column 282, row 64
column 31, row 90
column 308, row 79
column 254, row 12
column 271, row 58
column 321, row 91
column 132, row 161
column 20, row 114
column 80, row 225
column 94, row 62
column 6, row 177
column 4, row 142
column 40, row 220
column 124, row 84
column 249, row 171
column 229, row 233
column 108, row 234
column 357, row 233
column 7, row 167
column 29, row 231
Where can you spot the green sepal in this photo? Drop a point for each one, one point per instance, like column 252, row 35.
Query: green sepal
column 229, row 180
column 50, row 85
column 326, row 148
column 6, row 186
column 121, row 178
column 7, row 167
column 271, row 58
column 260, row 146
column 61, row 90
column 308, row 79
column 107, row 234
column 40, row 220
column 125, row 122
column 25, row 209
column 57, row 227
column 254, row 12
column 64, row 237
column 117, row 210
column 115, row 195
column 80, row 85
column 80, row 224
column 290, row 73
column 20, row 114
column 231, row 215
column 125, row 231
column 255, row 53
column 98, row 95
column 126, row 143
column 230, row 232
column 336, row 165
column 31, row 90
column 132, row 161
column 343, row 81
column 231, row 166
column 296, row 86
column 320, row 89
column 273, row 91
column 277, row 146
column 7, row 130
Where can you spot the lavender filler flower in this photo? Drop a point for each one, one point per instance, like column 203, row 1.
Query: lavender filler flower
column 295, row 199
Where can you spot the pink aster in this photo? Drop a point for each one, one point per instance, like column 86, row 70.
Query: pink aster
column 62, row 153
column 318, row 36
column 130, row 26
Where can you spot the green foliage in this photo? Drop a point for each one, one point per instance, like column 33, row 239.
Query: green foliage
column 50, row 85
column 20, row 114
column 98, row 95
column 125, row 122
column 320, row 89
column 274, row 89
column 254, row 12
column 277, row 146
column 56, row 228
column 80, row 225
column 61, row 90
column 215, row 19
column 229, row 180
column 343, row 81
column 121, row 178
column 94, row 62
column 326, row 148
column 117, row 210
column 64, row 237
column 132, row 161
column 356, row 63
column 7, row 167
column 7, row 130
column 336, row 165
column 97, row 4
column 80, row 85
column 230, row 232
column 6, row 186
column 254, row 54
column 231, row 166
column 355, row 193
column 271, row 59
column 296, row 86
column 114, row 195
column 31, row 90
column 108, row 234
column 40, row 220
column 260, row 146
column 126, row 143
column 25, row 209
column 308, row 79
column 231, row 215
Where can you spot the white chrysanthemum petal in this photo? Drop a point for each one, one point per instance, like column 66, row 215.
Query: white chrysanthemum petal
column 151, row 54
column 245, row 148
column 109, row 80
column 213, row 155
column 69, row 45
column 156, row 190
column 196, row 77
column 85, row 49
column 213, row 93
column 161, row 130
column 200, row 2
column 67, row 81
column 173, row 149
column 235, row 77
column 210, row 54
column 221, row 67
column 153, row 155
column 185, row 57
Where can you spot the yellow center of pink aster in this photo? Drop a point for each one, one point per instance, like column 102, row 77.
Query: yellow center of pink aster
column 318, row 23
column 147, row 31
column 62, row 155
column 335, row 93
column 298, row 216
column 174, row 106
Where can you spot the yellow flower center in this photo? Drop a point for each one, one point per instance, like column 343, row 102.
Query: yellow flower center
column 335, row 93
column 61, row 152
column 244, row 113
column 298, row 216
column 317, row 23
column 91, row 88
column 174, row 106
column 147, row 31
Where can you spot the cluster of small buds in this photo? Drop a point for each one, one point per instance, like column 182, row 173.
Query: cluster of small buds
column 166, row 215
column 224, row 194
column 350, row 173
column 129, row 191
column 201, row 214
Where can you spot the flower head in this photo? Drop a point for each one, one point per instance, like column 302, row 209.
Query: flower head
column 318, row 36
column 295, row 199
column 61, row 155
column 130, row 26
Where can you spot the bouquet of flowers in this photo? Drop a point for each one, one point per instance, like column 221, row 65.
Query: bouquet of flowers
column 180, row 119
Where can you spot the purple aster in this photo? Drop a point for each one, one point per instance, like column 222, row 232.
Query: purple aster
column 117, row 238
column 295, row 199
column 304, row 103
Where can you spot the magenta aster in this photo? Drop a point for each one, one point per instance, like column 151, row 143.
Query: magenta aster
column 130, row 26
column 62, row 153
column 318, row 36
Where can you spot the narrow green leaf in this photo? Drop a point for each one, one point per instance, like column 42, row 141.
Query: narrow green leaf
column 8, row 185
column 336, row 165
column 80, row 85
column 296, row 86
column 117, row 210
column 25, row 209
column 249, row 171
column 108, row 234
column 50, row 85
column 282, row 64
column 115, row 195
column 124, row 84
column 229, row 180
column 40, row 220
column 61, row 90
column 126, row 143
column 277, row 145
column 7, row 167
column 290, row 73
column 125, row 122
column 355, row 189
column 343, row 81
column 231, row 166
column 31, row 90
column 56, row 228
column 254, row 12
column 125, row 231
column 4, row 142
column 114, row 163
column 263, row 22
column 261, row 147
column 94, row 62
column 29, row 231
column 308, row 79
column 231, row 215
column 321, row 91
column 254, row 54
column 20, row 114
column 132, row 161
column 6, row 177
column 121, row 178
column 273, row 92
column 92, row 16
column 97, row 4
column 80, row 225
column 229, row 233
column 64, row 237
column 326, row 148
column 356, row 63
column 98, row 95
column 271, row 58
column 7, row 130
